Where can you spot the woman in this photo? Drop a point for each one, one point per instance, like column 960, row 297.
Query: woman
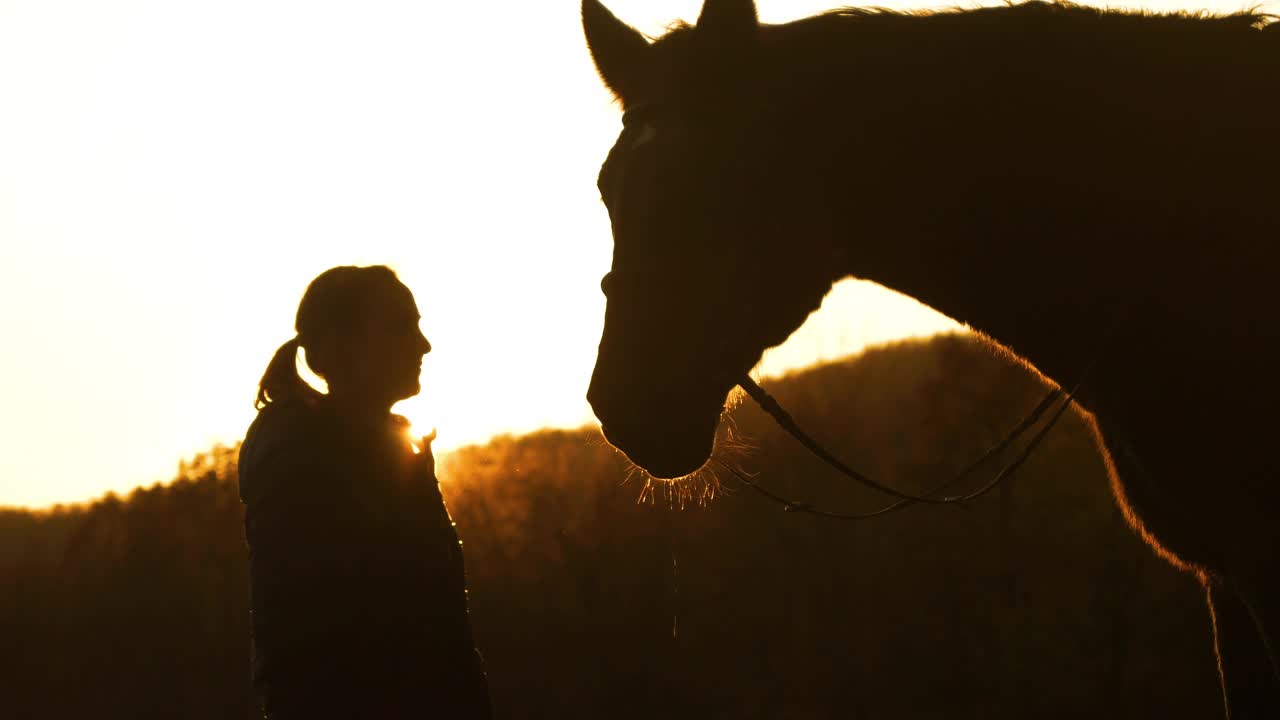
column 358, row 592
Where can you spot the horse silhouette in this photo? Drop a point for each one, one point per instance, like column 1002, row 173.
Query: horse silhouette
column 1087, row 188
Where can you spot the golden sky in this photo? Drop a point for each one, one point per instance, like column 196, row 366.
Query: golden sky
column 173, row 173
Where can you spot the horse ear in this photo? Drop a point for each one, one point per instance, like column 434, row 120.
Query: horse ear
column 620, row 52
column 729, row 18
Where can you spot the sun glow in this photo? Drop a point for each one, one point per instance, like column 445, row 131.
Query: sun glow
column 173, row 174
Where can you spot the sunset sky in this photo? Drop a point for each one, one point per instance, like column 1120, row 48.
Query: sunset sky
column 173, row 173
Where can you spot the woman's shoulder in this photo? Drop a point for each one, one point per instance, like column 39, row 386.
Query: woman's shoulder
column 282, row 440
column 281, row 423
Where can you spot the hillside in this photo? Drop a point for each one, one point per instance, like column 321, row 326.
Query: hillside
column 593, row 596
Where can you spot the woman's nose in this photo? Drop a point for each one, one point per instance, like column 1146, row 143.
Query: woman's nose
column 424, row 344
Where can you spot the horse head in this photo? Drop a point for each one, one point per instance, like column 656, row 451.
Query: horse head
column 703, row 278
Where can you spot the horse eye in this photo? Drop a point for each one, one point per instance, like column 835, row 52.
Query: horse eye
column 646, row 135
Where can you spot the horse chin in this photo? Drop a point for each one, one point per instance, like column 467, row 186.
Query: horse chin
column 671, row 451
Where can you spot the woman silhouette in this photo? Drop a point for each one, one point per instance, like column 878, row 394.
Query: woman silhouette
column 359, row 605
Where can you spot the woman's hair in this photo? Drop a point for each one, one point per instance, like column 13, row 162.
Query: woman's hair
column 333, row 305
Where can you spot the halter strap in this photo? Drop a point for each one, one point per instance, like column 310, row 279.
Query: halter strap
column 784, row 420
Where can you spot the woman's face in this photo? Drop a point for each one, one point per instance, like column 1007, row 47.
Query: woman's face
column 384, row 353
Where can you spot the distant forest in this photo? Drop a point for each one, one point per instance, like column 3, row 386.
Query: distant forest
column 594, row 596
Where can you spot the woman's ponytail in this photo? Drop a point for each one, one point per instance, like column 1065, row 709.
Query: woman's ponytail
column 281, row 381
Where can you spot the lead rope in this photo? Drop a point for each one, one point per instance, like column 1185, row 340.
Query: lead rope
column 786, row 422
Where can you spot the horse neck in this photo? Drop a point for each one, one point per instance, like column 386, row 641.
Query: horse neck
column 1040, row 291
column 1022, row 198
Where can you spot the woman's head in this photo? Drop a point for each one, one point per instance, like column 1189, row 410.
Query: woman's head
column 359, row 327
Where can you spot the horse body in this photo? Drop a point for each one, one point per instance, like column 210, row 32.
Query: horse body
column 1092, row 190
column 1077, row 197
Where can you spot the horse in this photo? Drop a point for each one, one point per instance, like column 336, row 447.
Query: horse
column 1093, row 191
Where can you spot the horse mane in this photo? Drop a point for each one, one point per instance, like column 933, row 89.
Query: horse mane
column 1031, row 45
column 834, row 27
column 1043, row 10
column 1027, row 15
